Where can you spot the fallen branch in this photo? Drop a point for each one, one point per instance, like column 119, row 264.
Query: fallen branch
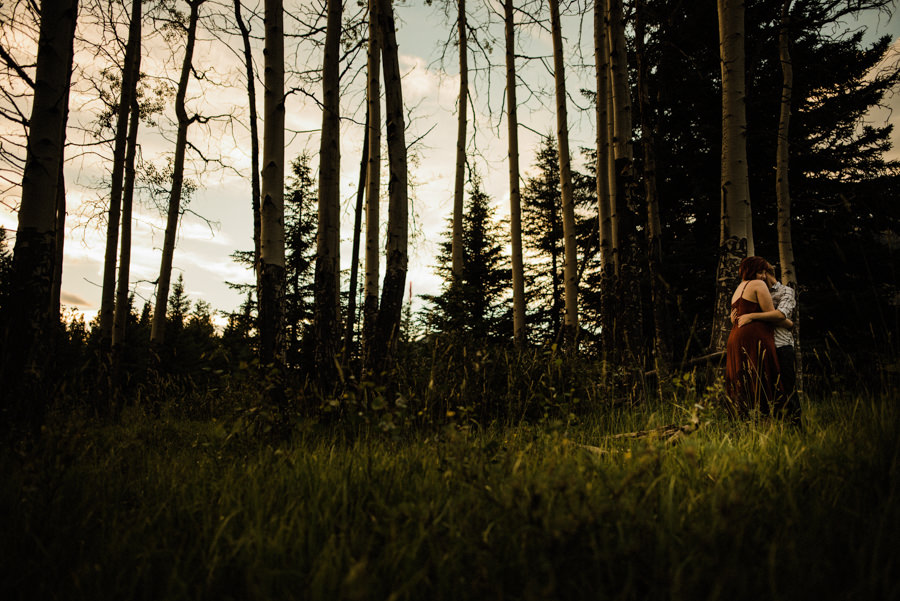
column 672, row 433
column 693, row 361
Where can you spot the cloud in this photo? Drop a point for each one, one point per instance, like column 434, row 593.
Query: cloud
column 69, row 298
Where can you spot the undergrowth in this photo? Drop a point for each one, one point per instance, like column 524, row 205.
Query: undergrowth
column 159, row 506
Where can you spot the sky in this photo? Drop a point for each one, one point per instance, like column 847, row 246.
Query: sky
column 219, row 219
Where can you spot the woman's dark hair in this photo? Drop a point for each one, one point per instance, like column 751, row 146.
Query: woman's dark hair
column 751, row 266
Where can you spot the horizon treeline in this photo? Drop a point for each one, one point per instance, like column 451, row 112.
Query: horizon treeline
column 719, row 134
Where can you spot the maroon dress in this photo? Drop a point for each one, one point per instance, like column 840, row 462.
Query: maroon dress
column 751, row 373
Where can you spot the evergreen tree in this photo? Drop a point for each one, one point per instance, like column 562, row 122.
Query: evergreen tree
column 179, row 305
column 239, row 335
column 542, row 234
column 477, row 304
column 300, row 226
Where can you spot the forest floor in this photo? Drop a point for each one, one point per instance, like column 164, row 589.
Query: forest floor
column 161, row 508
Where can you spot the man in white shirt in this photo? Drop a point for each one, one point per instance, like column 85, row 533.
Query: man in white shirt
column 785, row 301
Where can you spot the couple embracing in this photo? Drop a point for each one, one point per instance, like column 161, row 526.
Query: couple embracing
column 760, row 372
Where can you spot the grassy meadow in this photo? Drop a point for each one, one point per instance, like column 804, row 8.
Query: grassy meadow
column 159, row 507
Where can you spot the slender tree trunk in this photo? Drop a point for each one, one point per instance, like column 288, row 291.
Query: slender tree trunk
column 396, row 247
column 611, row 173
column 327, row 310
column 736, row 233
column 123, row 307
column 60, row 237
column 661, row 338
column 557, row 295
column 271, row 209
column 570, row 244
column 627, row 243
column 26, row 345
column 127, row 92
column 515, row 196
column 782, row 188
column 604, row 209
column 354, row 259
column 254, row 139
column 373, row 184
column 459, row 182
column 158, row 325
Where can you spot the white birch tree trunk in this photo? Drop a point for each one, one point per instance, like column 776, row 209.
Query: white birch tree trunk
column 271, row 207
column 254, row 138
column 123, row 307
column 782, row 186
column 570, row 246
column 629, row 323
column 515, row 195
column 736, row 233
column 327, row 277
column 28, row 317
column 130, row 73
column 350, row 320
column 373, row 184
column 782, row 163
column 396, row 246
column 460, row 174
column 604, row 209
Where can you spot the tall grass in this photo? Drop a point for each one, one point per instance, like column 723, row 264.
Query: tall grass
column 165, row 508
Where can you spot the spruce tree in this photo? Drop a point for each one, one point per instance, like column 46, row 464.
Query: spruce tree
column 542, row 234
column 300, row 226
column 477, row 305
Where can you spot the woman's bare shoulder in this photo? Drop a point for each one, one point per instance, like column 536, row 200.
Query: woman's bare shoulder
column 753, row 288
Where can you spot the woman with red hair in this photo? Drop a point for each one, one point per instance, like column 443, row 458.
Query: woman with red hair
column 751, row 374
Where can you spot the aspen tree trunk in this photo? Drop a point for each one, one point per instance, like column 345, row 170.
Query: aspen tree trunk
column 327, row 286
column 611, row 176
column 59, row 241
column 782, row 187
column 271, row 209
column 459, row 182
column 254, row 138
column 661, row 341
column 459, row 179
column 570, row 268
column 122, row 305
column 604, row 210
column 354, row 259
column 60, row 238
column 128, row 90
column 627, row 241
column 158, row 325
column 515, row 195
column 373, row 185
column 736, row 233
column 782, row 190
column 396, row 246
column 28, row 318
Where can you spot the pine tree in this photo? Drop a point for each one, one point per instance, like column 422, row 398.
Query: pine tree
column 477, row 305
column 542, row 232
column 239, row 336
column 179, row 305
column 300, row 226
